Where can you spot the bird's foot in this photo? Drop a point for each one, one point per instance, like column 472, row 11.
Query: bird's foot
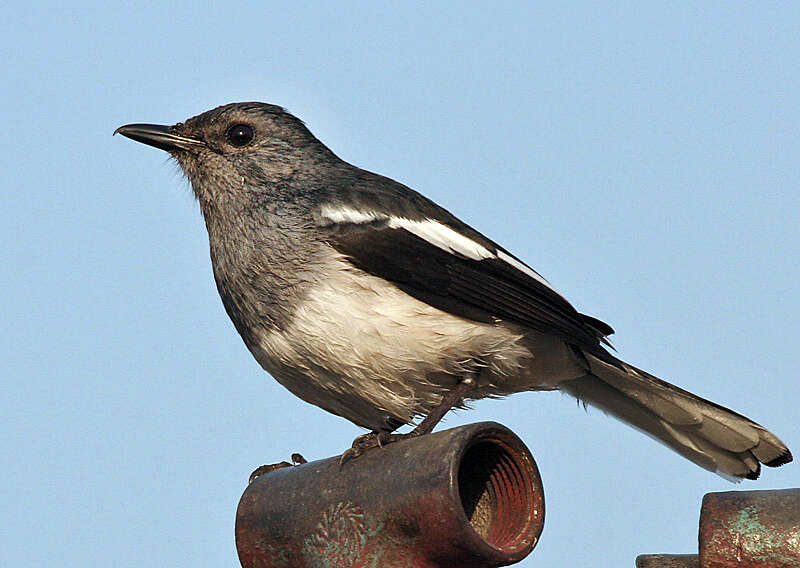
column 371, row 440
column 296, row 458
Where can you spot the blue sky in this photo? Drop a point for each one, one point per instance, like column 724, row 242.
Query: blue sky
column 644, row 158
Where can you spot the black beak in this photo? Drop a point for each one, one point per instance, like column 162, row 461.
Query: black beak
column 162, row 137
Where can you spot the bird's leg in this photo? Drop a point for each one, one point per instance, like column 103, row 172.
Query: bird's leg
column 451, row 399
column 378, row 438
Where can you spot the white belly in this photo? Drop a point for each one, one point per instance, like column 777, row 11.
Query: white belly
column 361, row 348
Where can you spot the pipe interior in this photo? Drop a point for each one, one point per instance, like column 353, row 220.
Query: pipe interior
column 496, row 494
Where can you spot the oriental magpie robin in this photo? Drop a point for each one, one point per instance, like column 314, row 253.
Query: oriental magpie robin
column 365, row 298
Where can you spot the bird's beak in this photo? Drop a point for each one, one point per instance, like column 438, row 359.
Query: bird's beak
column 163, row 137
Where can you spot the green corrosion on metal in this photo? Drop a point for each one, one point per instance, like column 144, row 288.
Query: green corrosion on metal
column 762, row 543
column 346, row 536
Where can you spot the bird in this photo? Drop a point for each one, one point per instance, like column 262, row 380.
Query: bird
column 367, row 299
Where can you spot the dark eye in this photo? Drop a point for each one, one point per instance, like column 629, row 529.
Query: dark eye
column 240, row 135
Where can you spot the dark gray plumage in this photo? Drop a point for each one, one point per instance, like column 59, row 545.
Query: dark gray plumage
column 365, row 298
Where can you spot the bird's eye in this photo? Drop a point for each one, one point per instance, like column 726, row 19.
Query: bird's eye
column 240, row 135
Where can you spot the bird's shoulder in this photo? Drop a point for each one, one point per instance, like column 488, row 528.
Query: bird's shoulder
column 368, row 199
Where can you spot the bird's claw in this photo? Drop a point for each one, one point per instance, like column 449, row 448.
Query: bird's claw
column 368, row 441
column 297, row 459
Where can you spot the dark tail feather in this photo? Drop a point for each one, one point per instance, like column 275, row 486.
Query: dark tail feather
column 713, row 437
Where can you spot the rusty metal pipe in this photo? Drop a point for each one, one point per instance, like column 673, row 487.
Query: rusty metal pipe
column 742, row 529
column 750, row 529
column 668, row 561
column 469, row 496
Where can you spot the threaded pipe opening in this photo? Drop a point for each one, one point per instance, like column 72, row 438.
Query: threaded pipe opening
column 497, row 492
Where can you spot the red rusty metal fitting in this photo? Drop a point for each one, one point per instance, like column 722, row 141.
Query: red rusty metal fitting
column 668, row 561
column 750, row 529
column 468, row 497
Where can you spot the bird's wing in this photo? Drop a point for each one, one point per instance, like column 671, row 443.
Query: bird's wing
column 436, row 258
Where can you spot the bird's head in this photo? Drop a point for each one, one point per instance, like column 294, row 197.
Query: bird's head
column 238, row 151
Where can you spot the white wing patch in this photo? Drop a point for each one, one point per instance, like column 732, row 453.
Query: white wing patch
column 436, row 233
column 443, row 237
column 526, row 269
column 347, row 215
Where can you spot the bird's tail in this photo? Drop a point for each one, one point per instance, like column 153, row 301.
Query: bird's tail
column 710, row 435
